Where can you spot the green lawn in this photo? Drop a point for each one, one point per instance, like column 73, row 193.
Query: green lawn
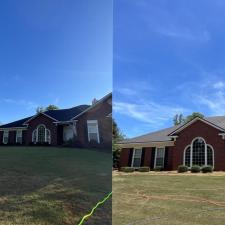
column 168, row 199
column 57, row 186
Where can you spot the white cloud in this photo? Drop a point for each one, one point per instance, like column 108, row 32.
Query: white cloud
column 149, row 112
column 214, row 101
column 219, row 85
column 127, row 91
column 184, row 33
column 27, row 104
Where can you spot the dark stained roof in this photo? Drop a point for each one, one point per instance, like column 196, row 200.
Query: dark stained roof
column 60, row 115
column 66, row 114
column 163, row 135
column 18, row 123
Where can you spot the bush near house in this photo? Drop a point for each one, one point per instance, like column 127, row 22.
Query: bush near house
column 182, row 169
column 158, row 168
column 195, row 169
column 144, row 169
column 127, row 169
column 207, row 169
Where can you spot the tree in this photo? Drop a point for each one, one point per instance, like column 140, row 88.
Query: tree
column 116, row 136
column 194, row 115
column 43, row 109
column 180, row 119
column 51, row 107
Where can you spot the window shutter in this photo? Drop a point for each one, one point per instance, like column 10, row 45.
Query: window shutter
column 143, row 157
column 152, row 158
column 130, row 157
column 166, row 158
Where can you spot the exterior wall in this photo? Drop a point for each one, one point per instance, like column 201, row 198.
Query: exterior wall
column 99, row 113
column 176, row 153
column 12, row 137
column 124, row 157
column 1, row 137
column 68, row 132
column 48, row 122
column 211, row 136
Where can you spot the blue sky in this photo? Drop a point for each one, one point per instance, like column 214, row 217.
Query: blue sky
column 53, row 52
column 169, row 57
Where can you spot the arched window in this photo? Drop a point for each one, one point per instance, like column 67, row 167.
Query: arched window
column 34, row 136
column 48, row 136
column 41, row 135
column 209, row 155
column 198, row 153
column 187, row 157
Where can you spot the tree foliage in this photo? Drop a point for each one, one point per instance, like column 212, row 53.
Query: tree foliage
column 180, row 119
column 43, row 109
column 51, row 107
column 116, row 136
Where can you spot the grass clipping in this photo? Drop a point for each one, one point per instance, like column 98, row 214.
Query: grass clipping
column 94, row 208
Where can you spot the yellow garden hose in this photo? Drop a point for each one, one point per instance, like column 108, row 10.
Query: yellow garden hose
column 94, row 208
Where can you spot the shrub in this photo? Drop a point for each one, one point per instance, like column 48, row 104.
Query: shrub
column 144, row 169
column 127, row 169
column 182, row 169
column 195, row 169
column 158, row 168
column 207, row 169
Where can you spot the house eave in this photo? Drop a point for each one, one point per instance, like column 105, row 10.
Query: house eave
column 13, row 128
column 26, row 122
column 92, row 106
column 146, row 144
column 191, row 122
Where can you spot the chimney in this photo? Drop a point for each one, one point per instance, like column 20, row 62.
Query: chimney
column 94, row 101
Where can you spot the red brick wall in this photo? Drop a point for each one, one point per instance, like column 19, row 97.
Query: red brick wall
column 209, row 133
column 48, row 122
column 100, row 113
column 12, row 137
column 124, row 157
column 185, row 137
column 148, row 155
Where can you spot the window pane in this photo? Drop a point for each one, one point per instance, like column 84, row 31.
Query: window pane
column 160, row 157
column 209, row 156
column 41, row 134
column 92, row 128
column 198, row 157
column 137, row 162
column 93, row 136
column 137, row 153
column 188, row 157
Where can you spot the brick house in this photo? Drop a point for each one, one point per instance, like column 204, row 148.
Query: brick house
column 83, row 125
column 198, row 142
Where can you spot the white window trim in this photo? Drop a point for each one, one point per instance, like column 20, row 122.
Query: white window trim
column 91, row 122
column 3, row 138
column 17, row 136
column 132, row 162
column 36, row 138
column 191, row 152
column 156, row 150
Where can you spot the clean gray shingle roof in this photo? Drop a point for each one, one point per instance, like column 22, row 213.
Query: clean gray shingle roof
column 60, row 115
column 163, row 135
